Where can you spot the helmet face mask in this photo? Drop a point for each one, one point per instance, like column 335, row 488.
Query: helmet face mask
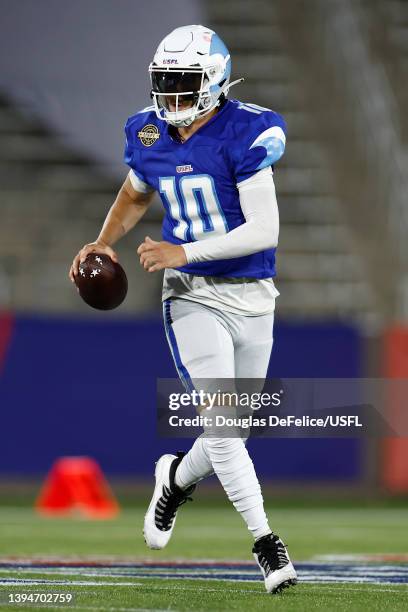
column 180, row 95
column 189, row 73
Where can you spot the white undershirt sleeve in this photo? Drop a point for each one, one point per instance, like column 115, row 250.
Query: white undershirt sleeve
column 260, row 231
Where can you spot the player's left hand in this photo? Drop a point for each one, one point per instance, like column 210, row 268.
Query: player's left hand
column 156, row 256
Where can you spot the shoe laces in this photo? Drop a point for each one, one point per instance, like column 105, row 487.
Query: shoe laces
column 167, row 506
column 271, row 553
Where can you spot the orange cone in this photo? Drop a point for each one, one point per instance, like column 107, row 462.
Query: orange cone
column 77, row 484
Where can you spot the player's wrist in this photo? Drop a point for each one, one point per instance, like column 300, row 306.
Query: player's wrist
column 182, row 255
column 187, row 252
column 103, row 243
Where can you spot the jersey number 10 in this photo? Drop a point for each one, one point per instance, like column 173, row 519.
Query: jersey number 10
column 194, row 206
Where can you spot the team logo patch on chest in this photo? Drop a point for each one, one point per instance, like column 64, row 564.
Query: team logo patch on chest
column 148, row 134
column 186, row 168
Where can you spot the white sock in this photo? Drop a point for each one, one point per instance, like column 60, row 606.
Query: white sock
column 229, row 459
column 236, row 473
column 194, row 466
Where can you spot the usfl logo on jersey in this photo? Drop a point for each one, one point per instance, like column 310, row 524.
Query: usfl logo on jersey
column 148, row 134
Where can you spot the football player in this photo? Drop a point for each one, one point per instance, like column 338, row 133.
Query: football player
column 211, row 160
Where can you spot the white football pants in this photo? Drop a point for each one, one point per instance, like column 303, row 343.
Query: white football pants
column 207, row 343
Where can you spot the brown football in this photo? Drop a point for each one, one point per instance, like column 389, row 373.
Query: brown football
column 102, row 283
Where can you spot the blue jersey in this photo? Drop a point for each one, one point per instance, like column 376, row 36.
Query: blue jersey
column 197, row 180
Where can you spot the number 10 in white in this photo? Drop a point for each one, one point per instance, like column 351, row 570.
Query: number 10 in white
column 196, row 210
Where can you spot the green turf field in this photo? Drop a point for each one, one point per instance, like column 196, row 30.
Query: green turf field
column 204, row 531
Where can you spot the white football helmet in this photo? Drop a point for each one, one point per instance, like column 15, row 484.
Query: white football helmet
column 191, row 66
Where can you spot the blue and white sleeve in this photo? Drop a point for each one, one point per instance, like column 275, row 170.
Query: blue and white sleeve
column 262, row 146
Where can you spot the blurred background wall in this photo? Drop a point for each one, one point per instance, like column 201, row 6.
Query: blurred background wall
column 73, row 381
column 81, row 65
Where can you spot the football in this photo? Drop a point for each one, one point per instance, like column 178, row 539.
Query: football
column 102, row 283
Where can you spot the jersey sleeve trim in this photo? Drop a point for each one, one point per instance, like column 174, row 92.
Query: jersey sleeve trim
column 138, row 184
column 272, row 132
column 273, row 140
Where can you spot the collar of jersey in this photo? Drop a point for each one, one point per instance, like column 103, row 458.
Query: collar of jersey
column 200, row 129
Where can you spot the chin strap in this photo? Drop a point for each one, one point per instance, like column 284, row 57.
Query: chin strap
column 225, row 89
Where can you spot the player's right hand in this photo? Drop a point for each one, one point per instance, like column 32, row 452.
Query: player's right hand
column 92, row 247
